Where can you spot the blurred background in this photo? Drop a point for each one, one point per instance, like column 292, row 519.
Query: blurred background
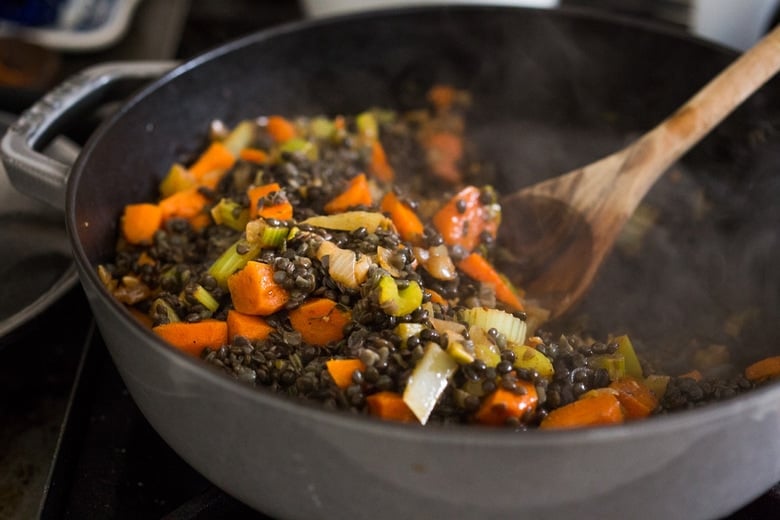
column 41, row 43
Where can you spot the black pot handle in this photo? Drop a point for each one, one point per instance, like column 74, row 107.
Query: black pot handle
column 43, row 177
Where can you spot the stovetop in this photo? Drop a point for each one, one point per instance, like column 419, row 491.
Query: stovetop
column 73, row 444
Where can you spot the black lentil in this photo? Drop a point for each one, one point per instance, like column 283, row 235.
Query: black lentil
column 285, row 363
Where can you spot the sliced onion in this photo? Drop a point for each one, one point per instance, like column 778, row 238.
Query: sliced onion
column 428, row 381
column 350, row 221
column 383, row 258
column 436, row 260
column 343, row 265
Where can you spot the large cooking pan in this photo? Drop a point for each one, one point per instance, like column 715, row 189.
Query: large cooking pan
column 552, row 90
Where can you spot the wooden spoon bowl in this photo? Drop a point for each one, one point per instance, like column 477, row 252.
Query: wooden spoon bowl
column 562, row 229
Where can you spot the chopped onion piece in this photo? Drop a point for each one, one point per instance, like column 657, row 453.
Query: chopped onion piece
column 343, row 265
column 383, row 256
column 436, row 260
column 442, row 326
column 428, row 381
column 350, row 221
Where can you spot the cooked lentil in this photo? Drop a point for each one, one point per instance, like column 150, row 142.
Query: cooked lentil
column 283, row 362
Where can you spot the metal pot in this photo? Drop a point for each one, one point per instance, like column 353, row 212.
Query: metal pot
column 552, row 90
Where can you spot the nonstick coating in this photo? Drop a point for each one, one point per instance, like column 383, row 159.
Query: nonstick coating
column 552, row 90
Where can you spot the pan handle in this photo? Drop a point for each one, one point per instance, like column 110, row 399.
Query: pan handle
column 42, row 177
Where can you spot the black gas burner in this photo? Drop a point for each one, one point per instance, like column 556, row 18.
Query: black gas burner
column 112, row 464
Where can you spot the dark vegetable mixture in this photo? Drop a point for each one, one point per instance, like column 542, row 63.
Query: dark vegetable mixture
column 349, row 260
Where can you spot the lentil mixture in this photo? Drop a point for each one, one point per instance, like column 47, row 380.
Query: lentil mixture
column 349, row 260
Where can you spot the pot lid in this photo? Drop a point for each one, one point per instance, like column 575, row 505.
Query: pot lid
column 36, row 267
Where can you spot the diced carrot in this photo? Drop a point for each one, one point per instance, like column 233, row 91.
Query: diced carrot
column 183, row 204
column 463, row 219
column 406, row 221
column 140, row 222
column 767, row 368
column 200, row 221
column 320, row 321
column 636, row 397
column 602, row 408
column 357, row 193
column 251, row 327
column 692, row 374
column 389, row 406
column 216, row 158
column 253, row 155
column 443, row 152
column 341, row 370
column 442, row 97
column 281, row 129
column 254, row 291
column 379, row 167
column 436, row 297
column 534, row 341
column 282, row 211
column 478, row 268
column 145, row 259
column 192, row 338
column 502, row 404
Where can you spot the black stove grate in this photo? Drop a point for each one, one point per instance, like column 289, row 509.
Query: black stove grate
column 110, row 462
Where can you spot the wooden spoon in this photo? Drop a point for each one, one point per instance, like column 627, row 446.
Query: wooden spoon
column 566, row 225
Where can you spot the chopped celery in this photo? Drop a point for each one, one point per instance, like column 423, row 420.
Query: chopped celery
column 614, row 364
column 531, row 359
column 205, row 298
column 633, row 367
column 351, row 220
column 512, row 327
column 230, row 213
column 474, row 388
column 321, row 128
column 258, row 231
column 428, row 381
column 177, row 179
column 459, row 348
column 407, row 330
column 240, row 137
column 367, row 126
column 259, row 235
column 657, row 384
column 395, row 301
column 384, row 116
column 161, row 311
column 233, row 259
column 301, row 146
column 484, row 349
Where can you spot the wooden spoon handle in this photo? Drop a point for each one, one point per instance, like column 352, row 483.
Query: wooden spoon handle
column 674, row 136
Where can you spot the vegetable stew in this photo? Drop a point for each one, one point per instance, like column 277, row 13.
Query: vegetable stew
column 353, row 261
